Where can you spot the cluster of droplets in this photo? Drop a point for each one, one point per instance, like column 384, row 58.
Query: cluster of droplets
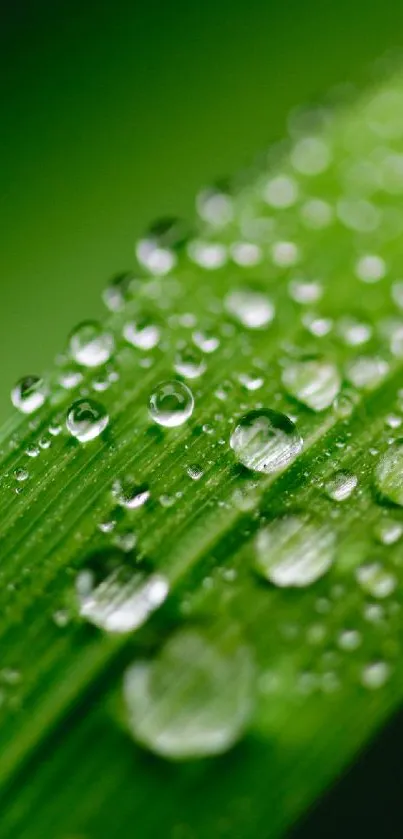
column 195, row 697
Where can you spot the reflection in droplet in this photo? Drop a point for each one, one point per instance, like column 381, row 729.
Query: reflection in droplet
column 194, row 699
column 265, row 441
column 171, row 404
column 86, row 420
column 294, row 550
column 29, row 394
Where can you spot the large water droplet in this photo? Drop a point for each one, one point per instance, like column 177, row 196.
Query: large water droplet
column 250, row 308
column 86, row 420
column 116, row 598
column 29, row 394
column 389, row 473
column 90, row 345
column 314, row 382
column 295, row 551
column 194, row 699
column 265, row 441
column 171, row 404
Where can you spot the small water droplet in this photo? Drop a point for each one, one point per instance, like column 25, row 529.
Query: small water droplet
column 116, row 598
column 265, row 441
column 171, row 404
column 130, row 494
column 316, row 214
column 90, row 345
column 21, row 475
column 314, row 382
column 305, row 291
column 189, row 362
column 29, row 394
column 294, row 551
column 209, row 255
column 206, row 340
column 376, row 580
column 341, row 485
column 375, row 675
column 251, row 381
column 389, row 473
column 388, row 531
column 194, row 699
column 370, row 268
column 366, row 372
column 157, row 250
column 86, row 420
column 117, row 292
column 310, row 156
column 349, row 639
column 281, row 192
column 142, row 332
column 195, row 472
column 250, row 308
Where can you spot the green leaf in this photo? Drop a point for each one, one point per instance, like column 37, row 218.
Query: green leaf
column 202, row 516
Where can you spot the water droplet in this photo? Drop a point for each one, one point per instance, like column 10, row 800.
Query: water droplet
column 194, row 699
column 171, row 404
column 157, row 251
column 353, row 332
column 316, row 214
column 86, row 420
column 195, row 472
column 209, row 255
column 389, row 473
column 206, row 340
column 125, row 540
column 250, row 308
column 305, row 291
column 366, row 372
column 349, row 639
column 189, row 362
column 310, row 156
column 117, row 292
column 215, row 207
column 375, row 580
column 341, row 485
column 69, row 379
column 142, row 332
column 281, row 192
column 315, row 382
column 388, row 531
column 375, row 675
column 29, row 394
column 265, row 441
column 21, row 475
column 370, row 268
column 251, row 382
column 129, row 494
column 294, row 551
column 90, row 345
column 116, row 598
column 246, row 253
column 284, row 254
column 345, row 403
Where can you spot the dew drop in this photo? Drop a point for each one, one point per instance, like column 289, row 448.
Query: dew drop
column 29, row 394
column 250, row 381
column 189, row 362
column 206, row 340
column 117, row 292
column 250, row 308
column 157, row 250
column 129, row 494
column 194, row 699
column 265, row 441
column 281, row 192
column 375, row 580
column 310, row 156
column 294, row 551
column 305, row 291
column 115, row 598
column 21, row 475
column 388, row 531
column 366, row 372
column 375, row 675
column 349, row 639
column 316, row 214
column 370, row 268
column 341, row 486
column 142, row 332
column 209, row 255
column 86, row 420
column 195, row 472
column 90, row 345
column 171, row 404
column 315, row 383
column 389, row 473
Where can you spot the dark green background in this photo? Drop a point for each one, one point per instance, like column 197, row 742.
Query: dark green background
column 114, row 113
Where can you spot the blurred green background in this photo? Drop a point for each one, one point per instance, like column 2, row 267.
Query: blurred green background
column 116, row 112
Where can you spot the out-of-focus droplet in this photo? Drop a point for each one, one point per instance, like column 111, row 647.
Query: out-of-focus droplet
column 310, row 156
column 189, row 362
column 90, row 345
column 376, row 580
column 370, row 268
column 86, row 420
column 295, row 550
column 375, row 675
column 281, row 192
column 194, row 699
column 389, row 473
column 157, row 250
column 366, row 372
column 29, row 394
column 142, row 332
column 116, row 598
column 314, row 382
column 265, row 441
column 117, row 292
column 252, row 309
column 171, row 404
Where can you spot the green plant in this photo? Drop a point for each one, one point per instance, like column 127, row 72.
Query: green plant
column 227, row 489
